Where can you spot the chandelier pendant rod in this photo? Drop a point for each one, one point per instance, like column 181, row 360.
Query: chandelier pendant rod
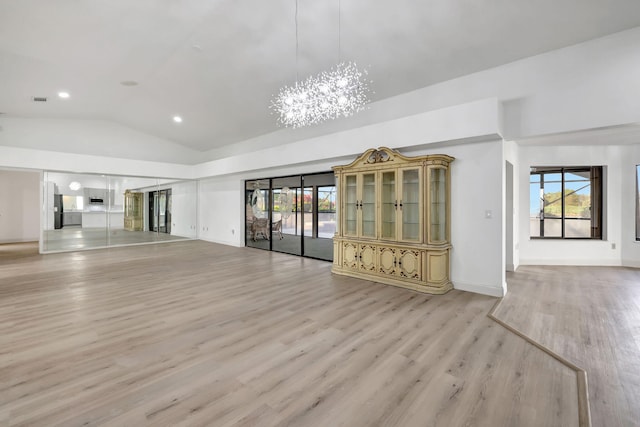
column 339, row 31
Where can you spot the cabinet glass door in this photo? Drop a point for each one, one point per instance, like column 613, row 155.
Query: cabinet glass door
column 437, row 205
column 368, row 205
column 350, row 208
column 389, row 204
column 410, row 206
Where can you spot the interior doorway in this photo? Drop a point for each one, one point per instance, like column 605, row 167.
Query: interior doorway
column 160, row 211
column 509, row 218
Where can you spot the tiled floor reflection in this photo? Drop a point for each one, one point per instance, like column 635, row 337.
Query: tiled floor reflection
column 71, row 238
column 320, row 248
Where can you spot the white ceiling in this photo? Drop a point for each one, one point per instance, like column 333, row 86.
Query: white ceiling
column 217, row 63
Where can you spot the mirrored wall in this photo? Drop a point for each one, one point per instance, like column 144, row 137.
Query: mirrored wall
column 294, row 214
column 84, row 211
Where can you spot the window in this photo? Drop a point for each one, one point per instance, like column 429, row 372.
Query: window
column 565, row 202
column 638, row 202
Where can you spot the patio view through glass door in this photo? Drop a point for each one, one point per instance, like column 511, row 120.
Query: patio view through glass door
column 319, row 212
column 286, row 230
column 160, row 211
column 301, row 219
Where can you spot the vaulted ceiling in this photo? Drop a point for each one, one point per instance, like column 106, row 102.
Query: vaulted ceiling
column 218, row 63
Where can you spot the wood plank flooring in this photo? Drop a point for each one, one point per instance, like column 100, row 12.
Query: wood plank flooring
column 591, row 316
column 198, row 334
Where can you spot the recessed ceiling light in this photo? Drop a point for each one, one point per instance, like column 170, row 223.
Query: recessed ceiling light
column 74, row 185
column 63, row 95
column 129, row 83
column 177, row 119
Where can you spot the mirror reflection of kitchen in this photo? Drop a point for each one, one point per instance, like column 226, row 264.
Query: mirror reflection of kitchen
column 89, row 211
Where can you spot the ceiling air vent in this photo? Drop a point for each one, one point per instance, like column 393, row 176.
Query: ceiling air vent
column 39, row 98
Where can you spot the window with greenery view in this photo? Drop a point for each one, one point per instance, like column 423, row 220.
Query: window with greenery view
column 565, row 202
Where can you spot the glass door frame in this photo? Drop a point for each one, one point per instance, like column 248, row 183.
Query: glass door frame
column 155, row 198
column 295, row 184
column 298, row 208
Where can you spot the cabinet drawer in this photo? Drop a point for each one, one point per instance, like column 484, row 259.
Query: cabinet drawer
column 72, row 218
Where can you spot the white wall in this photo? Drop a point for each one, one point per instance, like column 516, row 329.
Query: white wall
column 221, row 210
column 477, row 257
column 575, row 252
column 19, row 206
column 471, row 121
column 184, row 208
column 630, row 247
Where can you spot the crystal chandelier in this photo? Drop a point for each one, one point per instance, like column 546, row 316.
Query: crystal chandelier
column 339, row 92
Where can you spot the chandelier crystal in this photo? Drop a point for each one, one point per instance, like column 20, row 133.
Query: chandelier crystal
column 339, row 92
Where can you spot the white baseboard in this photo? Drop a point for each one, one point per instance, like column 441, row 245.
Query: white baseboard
column 572, row 262
column 222, row 242
column 25, row 240
column 631, row 263
column 493, row 291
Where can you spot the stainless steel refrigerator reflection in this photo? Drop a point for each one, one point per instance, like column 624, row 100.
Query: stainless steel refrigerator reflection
column 57, row 211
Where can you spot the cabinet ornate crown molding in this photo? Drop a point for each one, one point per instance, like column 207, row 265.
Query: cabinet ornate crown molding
column 394, row 220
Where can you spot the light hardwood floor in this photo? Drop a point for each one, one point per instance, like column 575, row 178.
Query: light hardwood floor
column 198, row 334
column 591, row 316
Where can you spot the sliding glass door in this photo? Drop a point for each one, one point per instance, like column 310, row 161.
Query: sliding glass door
column 293, row 214
column 286, row 230
column 319, row 212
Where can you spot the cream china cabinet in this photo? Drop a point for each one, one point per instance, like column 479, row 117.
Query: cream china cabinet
column 393, row 224
column 133, row 218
